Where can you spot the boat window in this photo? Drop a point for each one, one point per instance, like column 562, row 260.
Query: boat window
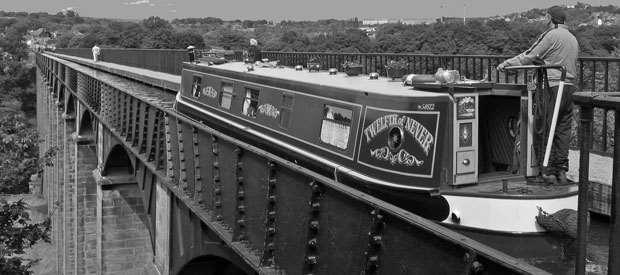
column 336, row 126
column 196, row 83
column 286, row 108
column 250, row 103
column 226, row 95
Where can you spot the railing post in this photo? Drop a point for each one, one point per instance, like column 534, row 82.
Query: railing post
column 614, row 234
column 581, row 82
column 585, row 139
column 593, row 75
column 604, row 131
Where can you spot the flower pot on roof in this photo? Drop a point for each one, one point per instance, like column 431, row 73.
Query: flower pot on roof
column 352, row 68
column 397, row 69
column 313, row 64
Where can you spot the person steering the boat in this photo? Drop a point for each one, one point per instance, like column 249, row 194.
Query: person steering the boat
column 555, row 46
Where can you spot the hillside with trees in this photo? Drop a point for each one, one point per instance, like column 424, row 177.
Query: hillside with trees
column 507, row 34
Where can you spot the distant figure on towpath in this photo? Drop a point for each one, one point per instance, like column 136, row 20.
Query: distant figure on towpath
column 191, row 53
column 96, row 52
column 254, row 51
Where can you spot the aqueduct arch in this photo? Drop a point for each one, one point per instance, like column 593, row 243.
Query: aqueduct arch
column 71, row 106
column 123, row 216
column 60, row 100
column 87, row 128
column 210, row 265
column 117, row 163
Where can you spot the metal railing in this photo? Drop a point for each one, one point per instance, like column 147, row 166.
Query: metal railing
column 229, row 55
column 588, row 102
column 161, row 60
column 596, row 74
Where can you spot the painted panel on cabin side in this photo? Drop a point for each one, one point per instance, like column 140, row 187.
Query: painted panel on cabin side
column 398, row 141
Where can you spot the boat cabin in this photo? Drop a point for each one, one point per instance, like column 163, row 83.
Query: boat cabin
column 429, row 137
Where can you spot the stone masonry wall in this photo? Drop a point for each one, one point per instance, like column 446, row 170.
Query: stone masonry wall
column 122, row 243
column 126, row 245
column 87, row 209
column 69, row 214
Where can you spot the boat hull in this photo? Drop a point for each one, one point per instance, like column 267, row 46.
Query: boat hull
column 473, row 211
column 510, row 214
column 550, row 252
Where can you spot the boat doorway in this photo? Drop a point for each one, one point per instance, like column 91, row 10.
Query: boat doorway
column 500, row 136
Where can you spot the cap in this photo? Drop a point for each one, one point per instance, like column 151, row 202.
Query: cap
column 190, row 47
column 558, row 15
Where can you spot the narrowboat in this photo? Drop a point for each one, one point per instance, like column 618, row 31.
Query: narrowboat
column 461, row 154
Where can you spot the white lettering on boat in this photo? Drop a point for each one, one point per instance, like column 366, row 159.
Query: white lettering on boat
column 420, row 134
column 401, row 157
column 210, row 92
column 269, row 110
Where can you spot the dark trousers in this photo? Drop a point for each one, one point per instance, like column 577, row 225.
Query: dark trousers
column 558, row 160
column 254, row 54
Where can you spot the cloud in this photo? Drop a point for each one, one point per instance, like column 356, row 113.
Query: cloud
column 173, row 11
column 139, row 2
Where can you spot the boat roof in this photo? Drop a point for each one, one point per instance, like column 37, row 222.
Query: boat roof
column 362, row 83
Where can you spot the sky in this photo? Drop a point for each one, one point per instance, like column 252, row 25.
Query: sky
column 277, row 10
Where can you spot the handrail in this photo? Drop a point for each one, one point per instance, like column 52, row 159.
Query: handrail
column 597, row 74
column 587, row 102
column 589, row 58
column 528, row 67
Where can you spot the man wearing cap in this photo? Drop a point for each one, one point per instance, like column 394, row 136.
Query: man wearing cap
column 556, row 46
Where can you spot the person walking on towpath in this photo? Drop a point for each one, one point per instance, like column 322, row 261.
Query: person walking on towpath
column 96, row 52
column 556, row 46
column 254, row 51
column 191, row 52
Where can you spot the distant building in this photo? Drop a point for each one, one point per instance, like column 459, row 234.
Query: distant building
column 452, row 20
column 418, row 21
column 407, row 21
column 371, row 22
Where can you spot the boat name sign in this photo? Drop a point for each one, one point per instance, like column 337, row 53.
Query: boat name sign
column 402, row 141
column 420, row 134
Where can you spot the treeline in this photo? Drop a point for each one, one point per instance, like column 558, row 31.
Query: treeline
column 490, row 37
column 18, row 137
column 153, row 33
column 504, row 35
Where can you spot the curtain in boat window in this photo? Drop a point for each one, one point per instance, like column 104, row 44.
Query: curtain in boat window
column 336, row 126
